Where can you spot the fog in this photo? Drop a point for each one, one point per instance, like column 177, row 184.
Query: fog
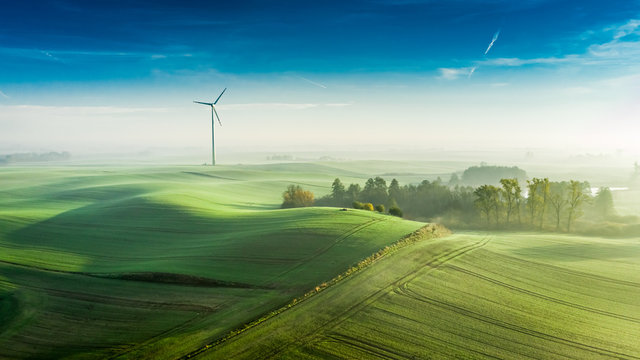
column 407, row 114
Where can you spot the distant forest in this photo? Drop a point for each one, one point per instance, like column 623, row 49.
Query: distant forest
column 488, row 175
column 33, row 157
column 536, row 204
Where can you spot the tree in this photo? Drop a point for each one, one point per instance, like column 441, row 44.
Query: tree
column 395, row 211
column 544, row 189
column 603, row 203
column 353, row 193
column 367, row 206
column 295, row 196
column 511, row 190
column 375, row 191
column 454, row 180
column 380, row 208
column 533, row 198
column 338, row 192
column 577, row 196
column 517, row 192
column 487, row 197
column 395, row 193
column 491, row 175
column 558, row 200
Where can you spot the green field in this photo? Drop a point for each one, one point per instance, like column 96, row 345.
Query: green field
column 469, row 295
column 157, row 262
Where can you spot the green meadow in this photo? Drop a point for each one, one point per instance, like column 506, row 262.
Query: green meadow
column 174, row 262
column 469, row 295
column 156, row 262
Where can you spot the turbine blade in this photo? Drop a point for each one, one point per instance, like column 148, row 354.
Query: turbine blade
column 214, row 110
column 204, row 103
column 215, row 102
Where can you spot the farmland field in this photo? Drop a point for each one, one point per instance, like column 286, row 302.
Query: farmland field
column 469, row 295
column 161, row 262
column 156, row 262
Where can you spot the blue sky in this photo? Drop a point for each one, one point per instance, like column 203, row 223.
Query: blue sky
column 88, row 73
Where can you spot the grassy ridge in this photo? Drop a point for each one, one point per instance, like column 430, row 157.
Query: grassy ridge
column 156, row 262
column 470, row 295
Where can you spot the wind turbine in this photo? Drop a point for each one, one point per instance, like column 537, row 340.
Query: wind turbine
column 213, row 111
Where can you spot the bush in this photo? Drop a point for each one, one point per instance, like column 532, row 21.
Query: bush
column 380, row 208
column 395, row 211
column 358, row 205
column 367, row 206
column 295, row 196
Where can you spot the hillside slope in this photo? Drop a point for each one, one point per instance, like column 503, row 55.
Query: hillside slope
column 156, row 262
column 470, row 295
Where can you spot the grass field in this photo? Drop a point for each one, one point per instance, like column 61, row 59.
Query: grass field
column 156, row 262
column 470, row 295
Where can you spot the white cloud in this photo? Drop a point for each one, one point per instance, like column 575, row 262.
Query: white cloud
column 65, row 55
column 2, row 94
column 280, row 106
column 78, row 110
column 338, row 104
column 513, row 62
column 579, row 90
column 615, row 52
column 267, row 106
column 454, row 73
column 626, row 29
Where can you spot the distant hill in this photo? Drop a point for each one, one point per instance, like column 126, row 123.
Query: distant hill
column 34, row 157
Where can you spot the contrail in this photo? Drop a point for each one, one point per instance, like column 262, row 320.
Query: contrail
column 473, row 69
column 495, row 37
column 493, row 41
column 313, row 82
column 4, row 95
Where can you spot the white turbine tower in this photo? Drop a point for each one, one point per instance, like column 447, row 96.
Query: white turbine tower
column 213, row 111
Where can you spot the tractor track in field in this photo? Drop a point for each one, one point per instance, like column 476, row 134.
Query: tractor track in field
column 544, row 297
column 338, row 240
column 153, row 258
column 199, row 310
column 147, row 277
column 366, row 346
column 349, row 312
column 151, row 340
column 519, row 354
column 117, row 301
column 361, row 344
column 430, row 265
column 509, row 326
column 571, row 272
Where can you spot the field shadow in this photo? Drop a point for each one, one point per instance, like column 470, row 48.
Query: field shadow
column 122, row 221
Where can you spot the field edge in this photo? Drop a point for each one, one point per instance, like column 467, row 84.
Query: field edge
column 429, row 231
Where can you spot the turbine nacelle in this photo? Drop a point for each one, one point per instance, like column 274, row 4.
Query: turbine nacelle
column 213, row 106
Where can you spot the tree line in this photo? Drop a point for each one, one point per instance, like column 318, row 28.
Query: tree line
column 539, row 204
column 34, row 157
column 544, row 201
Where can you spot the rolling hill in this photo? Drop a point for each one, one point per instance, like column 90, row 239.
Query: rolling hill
column 472, row 296
column 156, row 262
